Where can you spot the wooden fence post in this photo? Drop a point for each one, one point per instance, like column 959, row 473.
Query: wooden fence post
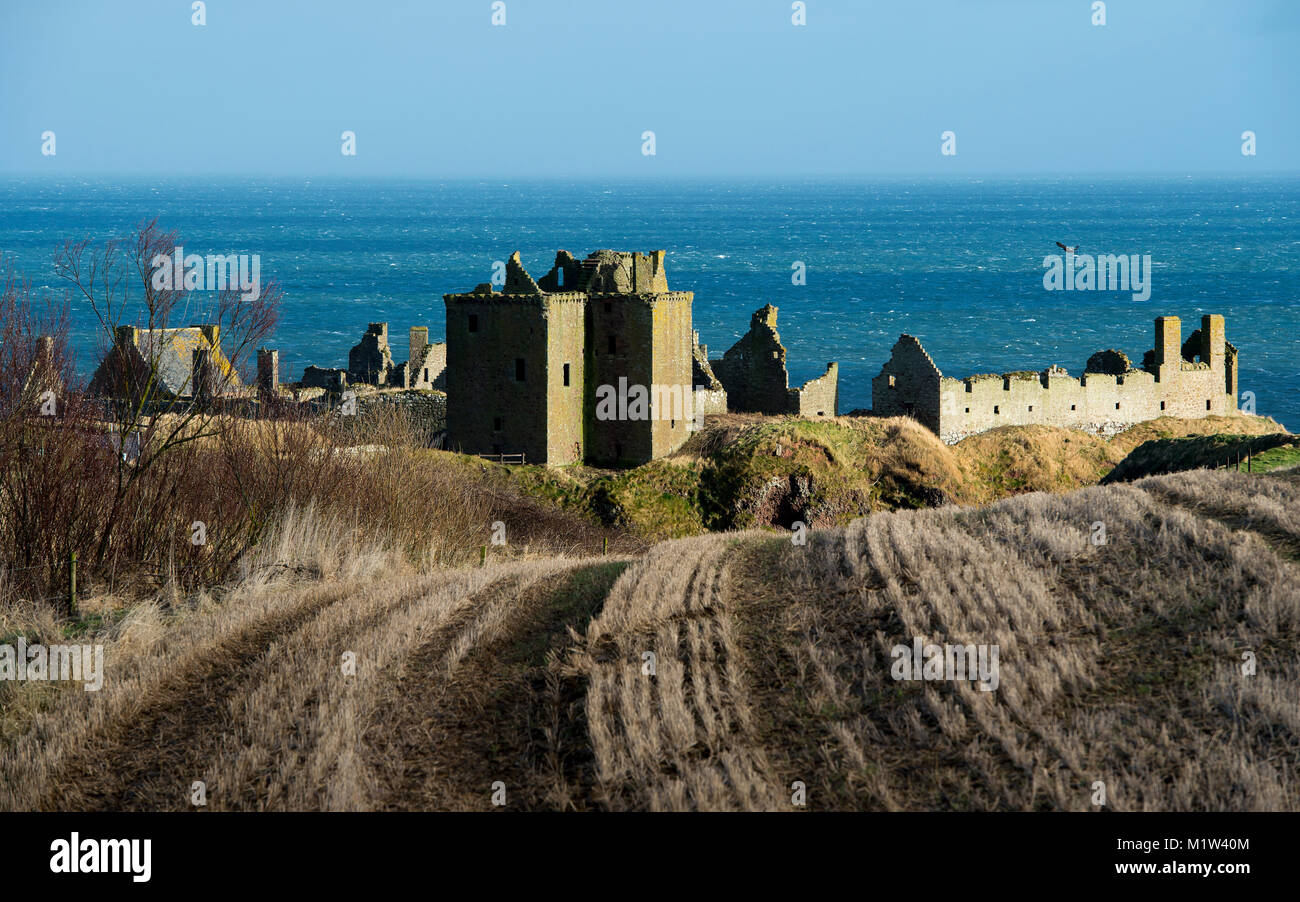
column 72, row 584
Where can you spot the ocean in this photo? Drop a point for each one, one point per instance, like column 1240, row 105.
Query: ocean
column 957, row 263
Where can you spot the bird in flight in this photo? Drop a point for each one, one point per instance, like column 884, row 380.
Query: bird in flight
column 1068, row 250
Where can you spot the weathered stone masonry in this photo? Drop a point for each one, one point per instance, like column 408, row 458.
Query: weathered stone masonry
column 524, row 364
column 753, row 372
column 1189, row 380
column 370, row 362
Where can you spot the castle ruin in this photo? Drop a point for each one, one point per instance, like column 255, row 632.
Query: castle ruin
column 370, row 362
column 597, row 362
column 530, row 368
column 1193, row 379
column 754, row 374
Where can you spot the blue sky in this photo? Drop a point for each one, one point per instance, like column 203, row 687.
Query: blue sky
column 730, row 87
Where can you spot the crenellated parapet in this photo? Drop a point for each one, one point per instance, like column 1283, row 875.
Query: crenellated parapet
column 1189, row 380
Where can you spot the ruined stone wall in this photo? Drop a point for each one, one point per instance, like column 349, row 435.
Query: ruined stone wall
column 565, row 274
column 648, row 273
column 268, row 371
column 753, row 369
column 435, row 367
column 710, row 397
column 702, row 374
column 324, row 377
column 753, row 372
column 606, row 272
column 371, row 360
column 908, row 385
column 1103, row 403
column 425, row 370
column 1198, row 392
column 1206, row 384
column 426, row 412
column 417, row 341
column 819, row 397
column 1098, row 402
column 709, row 402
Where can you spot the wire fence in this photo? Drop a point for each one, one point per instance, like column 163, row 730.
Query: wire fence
column 66, row 572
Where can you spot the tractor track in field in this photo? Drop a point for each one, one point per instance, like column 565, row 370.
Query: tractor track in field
column 148, row 756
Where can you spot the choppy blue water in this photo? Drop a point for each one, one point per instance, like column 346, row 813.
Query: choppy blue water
column 959, row 264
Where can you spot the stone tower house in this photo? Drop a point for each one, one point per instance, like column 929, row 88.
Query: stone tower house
column 527, row 365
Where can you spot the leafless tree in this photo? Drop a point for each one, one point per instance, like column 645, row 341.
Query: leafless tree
column 117, row 280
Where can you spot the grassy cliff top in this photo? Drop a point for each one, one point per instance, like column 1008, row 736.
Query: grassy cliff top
column 742, row 471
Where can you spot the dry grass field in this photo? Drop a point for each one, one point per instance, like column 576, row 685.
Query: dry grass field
column 715, row 672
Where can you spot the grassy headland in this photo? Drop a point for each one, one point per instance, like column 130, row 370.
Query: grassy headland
column 748, row 471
